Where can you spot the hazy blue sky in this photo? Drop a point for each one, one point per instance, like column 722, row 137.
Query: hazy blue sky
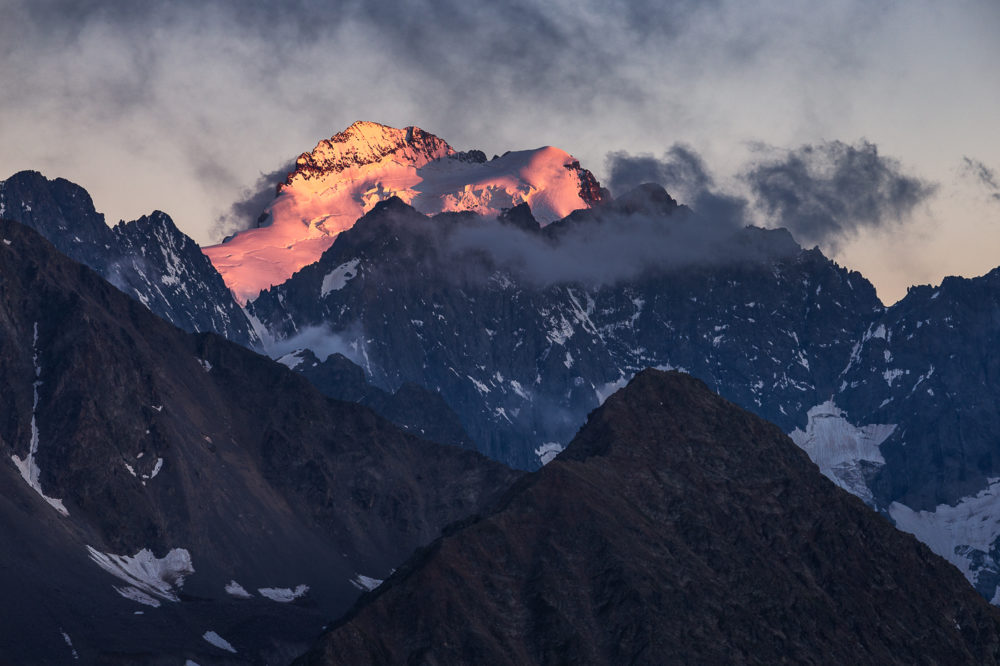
column 883, row 114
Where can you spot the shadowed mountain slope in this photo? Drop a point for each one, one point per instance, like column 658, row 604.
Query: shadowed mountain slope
column 156, row 486
column 675, row 528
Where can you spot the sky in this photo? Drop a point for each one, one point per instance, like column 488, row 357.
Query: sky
column 867, row 127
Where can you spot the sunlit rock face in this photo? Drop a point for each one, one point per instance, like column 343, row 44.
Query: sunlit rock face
column 346, row 175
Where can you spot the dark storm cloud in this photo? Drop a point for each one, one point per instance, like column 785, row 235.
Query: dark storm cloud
column 680, row 168
column 826, row 193
column 822, row 193
column 683, row 172
column 626, row 171
column 244, row 213
column 983, row 175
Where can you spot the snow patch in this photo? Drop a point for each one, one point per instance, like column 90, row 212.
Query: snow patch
column 237, row 590
column 156, row 469
column 892, row 375
column 147, row 575
column 365, row 583
column 518, row 389
column 965, row 534
column 338, row 278
column 481, row 387
column 218, row 641
column 283, row 594
column 547, row 451
column 291, row 360
column 561, row 332
column 205, row 364
column 841, row 449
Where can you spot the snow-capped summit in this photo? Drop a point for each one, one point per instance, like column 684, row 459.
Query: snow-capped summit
column 346, row 175
column 364, row 143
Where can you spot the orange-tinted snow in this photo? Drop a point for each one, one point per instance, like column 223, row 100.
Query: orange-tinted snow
column 344, row 177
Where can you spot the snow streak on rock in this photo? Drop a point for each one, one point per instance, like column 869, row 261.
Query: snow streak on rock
column 69, row 643
column 27, row 466
column 365, row 583
column 218, row 641
column 283, row 594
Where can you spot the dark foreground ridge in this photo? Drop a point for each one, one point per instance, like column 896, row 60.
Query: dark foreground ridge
column 675, row 528
column 155, row 440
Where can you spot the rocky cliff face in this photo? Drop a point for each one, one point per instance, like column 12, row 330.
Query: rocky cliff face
column 149, row 258
column 675, row 528
column 158, row 486
column 523, row 351
column 412, row 407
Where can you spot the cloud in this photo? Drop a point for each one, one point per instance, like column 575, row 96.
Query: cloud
column 683, row 173
column 681, row 170
column 983, row 175
column 244, row 213
column 826, row 193
column 203, row 94
column 644, row 232
column 823, row 194
column 179, row 106
column 323, row 342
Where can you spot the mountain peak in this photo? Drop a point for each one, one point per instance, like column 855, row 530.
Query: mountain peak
column 670, row 498
column 366, row 142
column 345, row 176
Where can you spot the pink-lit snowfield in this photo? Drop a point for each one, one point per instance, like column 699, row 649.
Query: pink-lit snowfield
column 345, row 176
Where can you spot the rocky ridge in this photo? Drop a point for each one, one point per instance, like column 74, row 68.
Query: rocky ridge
column 149, row 259
column 161, row 486
column 675, row 528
